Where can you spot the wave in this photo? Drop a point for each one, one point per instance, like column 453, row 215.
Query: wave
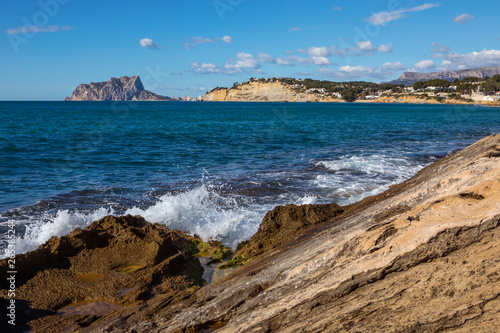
column 203, row 212
column 62, row 224
column 352, row 178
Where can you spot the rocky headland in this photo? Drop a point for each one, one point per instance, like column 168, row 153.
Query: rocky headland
column 409, row 78
column 116, row 89
column 423, row 256
column 255, row 91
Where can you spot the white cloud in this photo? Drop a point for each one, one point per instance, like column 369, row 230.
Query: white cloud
column 227, row 39
column 148, row 43
column 394, row 66
column 303, row 60
column 424, row 65
column 35, row 29
column 438, row 48
column 284, row 62
column 320, row 60
column 381, row 18
column 365, row 45
column 195, row 41
column 337, row 8
column 313, row 51
column 264, row 57
column 243, row 62
column 296, row 29
column 385, row 48
column 354, row 72
column 462, row 19
column 484, row 58
column 204, row 68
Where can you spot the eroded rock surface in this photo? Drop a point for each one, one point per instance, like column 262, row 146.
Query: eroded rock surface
column 114, row 263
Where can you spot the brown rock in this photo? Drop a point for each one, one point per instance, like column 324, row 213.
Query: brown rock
column 284, row 223
column 114, row 262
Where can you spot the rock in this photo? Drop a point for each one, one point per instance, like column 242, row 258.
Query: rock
column 263, row 92
column 122, row 89
column 113, row 263
column 409, row 78
column 423, row 256
column 284, row 223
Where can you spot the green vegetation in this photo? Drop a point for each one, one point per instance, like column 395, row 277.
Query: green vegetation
column 213, row 250
column 350, row 91
column 466, row 86
column 431, row 83
column 236, row 261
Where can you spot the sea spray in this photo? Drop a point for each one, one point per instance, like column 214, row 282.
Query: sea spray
column 203, row 212
column 62, row 224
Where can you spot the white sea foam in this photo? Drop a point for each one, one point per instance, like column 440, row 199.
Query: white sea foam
column 356, row 177
column 205, row 213
column 62, row 224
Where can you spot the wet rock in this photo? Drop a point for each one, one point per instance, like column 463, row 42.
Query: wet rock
column 94, row 265
column 285, row 223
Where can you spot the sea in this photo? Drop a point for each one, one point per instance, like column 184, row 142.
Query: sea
column 207, row 168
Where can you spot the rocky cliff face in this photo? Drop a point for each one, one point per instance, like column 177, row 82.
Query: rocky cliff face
column 122, row 89
column 264, row 92
column 423, row 256
column 409, row 78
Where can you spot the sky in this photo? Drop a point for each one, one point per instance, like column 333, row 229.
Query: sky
column 185, row 48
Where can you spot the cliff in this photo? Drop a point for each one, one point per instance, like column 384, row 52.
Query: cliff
column 409, row 78
column 122, row 89
column 264, row 92
column 423, row 256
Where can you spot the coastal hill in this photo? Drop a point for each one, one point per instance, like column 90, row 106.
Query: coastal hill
column 424, row 256
column 122, row 89
column 409, row 78
column 469, row 90
column 265, row 91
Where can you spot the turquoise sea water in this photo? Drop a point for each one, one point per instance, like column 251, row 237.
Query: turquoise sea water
column 212, row 169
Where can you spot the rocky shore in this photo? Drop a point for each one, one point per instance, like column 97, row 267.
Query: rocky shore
column 423, row 256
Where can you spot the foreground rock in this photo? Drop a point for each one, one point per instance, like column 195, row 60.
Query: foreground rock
column 122, row 89
column 423, row 256
column 113, row 264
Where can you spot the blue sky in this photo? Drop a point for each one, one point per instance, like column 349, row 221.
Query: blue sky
column 184, row 48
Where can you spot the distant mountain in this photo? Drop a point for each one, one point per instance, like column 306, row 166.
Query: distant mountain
column 409, row 78
column 122, row 89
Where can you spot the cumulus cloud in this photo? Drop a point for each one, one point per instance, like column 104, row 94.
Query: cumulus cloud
column 35, row 29
column 227, row 39
column 204, row 68
column 148, row 43
column 424, row 65
column 242, row 62
column 385, row 48
column 394, row 66
column 365, row 45
column 264, row 57
column 195, row 41
column 462, row 19
column 484, row 58
column 381, row 18
column 313, row 51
